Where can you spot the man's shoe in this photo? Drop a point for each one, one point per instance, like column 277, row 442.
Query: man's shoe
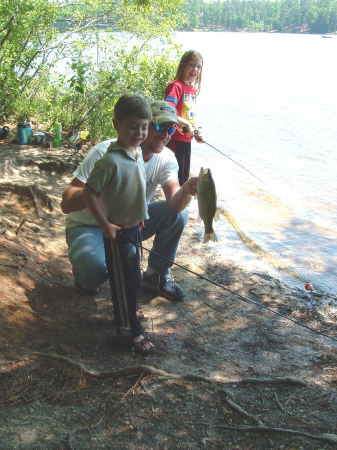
column 163, row 285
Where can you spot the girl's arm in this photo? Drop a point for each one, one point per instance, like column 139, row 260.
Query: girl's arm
column 186, row 126
column 91, row 199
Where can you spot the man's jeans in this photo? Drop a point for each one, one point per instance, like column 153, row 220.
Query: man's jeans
column 86, row 247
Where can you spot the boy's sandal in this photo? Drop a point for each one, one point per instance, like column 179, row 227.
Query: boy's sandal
column 140, row 347
column 141, row 315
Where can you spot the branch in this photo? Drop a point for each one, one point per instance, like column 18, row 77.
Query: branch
column 14, row 266
column 29, row 64
column 34, row 89
column 23, row 221
column 28, row 80
column 79, row 122
column 10, row 29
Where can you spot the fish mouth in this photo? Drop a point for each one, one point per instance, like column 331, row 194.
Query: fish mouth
column 204, row 173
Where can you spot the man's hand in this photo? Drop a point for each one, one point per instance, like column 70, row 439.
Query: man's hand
column 178, row 197
column 190, row 186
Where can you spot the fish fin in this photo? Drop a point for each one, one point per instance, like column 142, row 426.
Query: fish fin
column 216, row 215
column 221, row 211
column 210, row 237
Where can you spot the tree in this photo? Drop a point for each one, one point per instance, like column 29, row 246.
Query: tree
column 318, row 16
column 37, row 34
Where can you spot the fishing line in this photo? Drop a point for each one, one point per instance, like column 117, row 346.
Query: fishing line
column 224, row 154
column 262, row 254
column 242, row 297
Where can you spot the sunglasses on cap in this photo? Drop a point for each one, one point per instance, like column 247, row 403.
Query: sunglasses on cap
column 161, row 128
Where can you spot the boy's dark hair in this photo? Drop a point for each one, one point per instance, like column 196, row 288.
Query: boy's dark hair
column 132, row 104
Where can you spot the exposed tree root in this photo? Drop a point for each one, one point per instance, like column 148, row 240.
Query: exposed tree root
column 278, row 380
column 32, row 191
column 55, row 165
column 143, row 370
column 327, row 437
column 36, row 204
column 242, row 411
column 149, row 370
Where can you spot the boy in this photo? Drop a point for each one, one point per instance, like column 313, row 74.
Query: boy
column 120, row 177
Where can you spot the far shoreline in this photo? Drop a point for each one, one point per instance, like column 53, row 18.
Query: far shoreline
column 246, row 30
column 286, row 30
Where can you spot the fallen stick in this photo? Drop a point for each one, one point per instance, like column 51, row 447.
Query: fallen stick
column 14, row 266
column 23, row 221
column 133, row 387
column 277, row 401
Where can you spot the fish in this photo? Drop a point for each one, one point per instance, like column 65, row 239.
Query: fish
column 206, row 196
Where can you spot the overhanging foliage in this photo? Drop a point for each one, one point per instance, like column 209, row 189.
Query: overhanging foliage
column 38, row 35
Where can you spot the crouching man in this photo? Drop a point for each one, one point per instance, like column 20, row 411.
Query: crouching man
column 167, row 218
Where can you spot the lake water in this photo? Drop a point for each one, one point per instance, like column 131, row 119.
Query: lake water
column 269, row 101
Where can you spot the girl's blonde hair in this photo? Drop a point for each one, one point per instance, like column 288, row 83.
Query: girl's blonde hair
column 185, row 60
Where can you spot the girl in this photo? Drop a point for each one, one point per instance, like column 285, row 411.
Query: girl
column 182, row 93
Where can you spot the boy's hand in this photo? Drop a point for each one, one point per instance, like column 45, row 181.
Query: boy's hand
column 141, row 224
column 110, row 231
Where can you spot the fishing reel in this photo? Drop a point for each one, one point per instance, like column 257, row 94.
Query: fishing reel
column 197, row 135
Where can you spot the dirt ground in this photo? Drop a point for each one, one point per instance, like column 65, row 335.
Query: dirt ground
column 227, row 374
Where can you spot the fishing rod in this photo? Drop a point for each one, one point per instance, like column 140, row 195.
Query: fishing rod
column 199, row 139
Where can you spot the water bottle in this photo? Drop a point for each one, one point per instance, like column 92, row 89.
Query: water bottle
column 24, row 132
column 58, row 135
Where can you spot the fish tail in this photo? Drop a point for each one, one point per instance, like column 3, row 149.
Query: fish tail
column 221, row 211
column 210, row 237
